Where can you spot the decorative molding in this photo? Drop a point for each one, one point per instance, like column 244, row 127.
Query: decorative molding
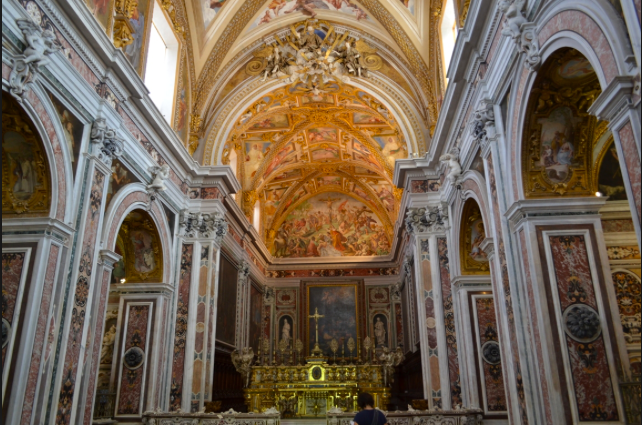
column 107, row 142
column 194, row 225
column 26, row 66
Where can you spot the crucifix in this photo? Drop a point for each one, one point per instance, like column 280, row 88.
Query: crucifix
column 316, row 316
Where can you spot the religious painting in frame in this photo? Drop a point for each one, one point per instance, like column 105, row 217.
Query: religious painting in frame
column 473, row 258
column 226, row 303
column 256, row 319
column 26, row 183
column 338, row 307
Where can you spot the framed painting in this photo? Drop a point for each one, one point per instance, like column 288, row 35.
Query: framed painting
column 338, row 308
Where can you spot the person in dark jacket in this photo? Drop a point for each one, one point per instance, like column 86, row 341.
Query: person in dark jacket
column 368, row 414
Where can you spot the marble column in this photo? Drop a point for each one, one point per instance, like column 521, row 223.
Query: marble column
column 195, row 327
column 579, row 349
column 426, row 225
column 82, row 287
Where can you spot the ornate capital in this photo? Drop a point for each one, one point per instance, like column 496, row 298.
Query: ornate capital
column 529, row 44
column 244, row 272
column 26, row 66
column 484, row 124
column 194, row 225
column 106, row 141
column 421, row 220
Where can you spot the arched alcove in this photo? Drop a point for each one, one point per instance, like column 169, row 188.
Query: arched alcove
column 559, row 134
column 139, row 244
column 472, row 234
column 26, row 180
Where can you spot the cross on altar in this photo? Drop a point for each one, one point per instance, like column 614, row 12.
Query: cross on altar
column 316, row 316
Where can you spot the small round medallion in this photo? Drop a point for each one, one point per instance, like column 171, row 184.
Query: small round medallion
column 490, row 352
column 431, row 323
column 316, row 373
column 133, row 358
column 582, row 323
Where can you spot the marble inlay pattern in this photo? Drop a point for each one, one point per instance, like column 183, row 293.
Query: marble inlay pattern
column 594, row 393
column 449, row 322
column 431, row 324
column 132, row 378
column 12, row 269
column 492, row 374
column 180, row 335
column 80, row 298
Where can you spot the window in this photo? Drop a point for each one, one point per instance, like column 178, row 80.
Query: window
column 448, row 33
column 162, row 55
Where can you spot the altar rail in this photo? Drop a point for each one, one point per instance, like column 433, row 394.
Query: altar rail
column 225, row 418
column 417, row 417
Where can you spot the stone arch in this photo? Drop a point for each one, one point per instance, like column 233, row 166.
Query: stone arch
column 473, row 189
column 57, row 165
column 557, row 132
column 128, row 199
column 596, row 31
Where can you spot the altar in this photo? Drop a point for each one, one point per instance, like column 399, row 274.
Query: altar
column 309, row 387
column 312, row 389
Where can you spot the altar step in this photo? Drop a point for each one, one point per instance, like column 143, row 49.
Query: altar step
column 299, row 421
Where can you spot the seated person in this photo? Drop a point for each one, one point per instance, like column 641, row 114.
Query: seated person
column 368, row 414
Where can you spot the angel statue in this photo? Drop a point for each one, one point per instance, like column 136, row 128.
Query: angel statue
column 160, row 175
column 243, row 363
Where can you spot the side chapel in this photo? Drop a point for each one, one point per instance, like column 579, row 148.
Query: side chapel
column 251, row 211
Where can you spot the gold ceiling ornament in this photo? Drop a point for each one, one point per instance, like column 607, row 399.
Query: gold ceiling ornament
column 26, row 184
column 142, row 247
column 472, row 234
column 464, row 13
column 314, row 53
column 123, row 29
column 249, row 199
column 168, row 6
column 195, row 124
column 559, row 133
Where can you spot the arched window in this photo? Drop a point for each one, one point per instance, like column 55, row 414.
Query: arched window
column 162, row 59
column 448, row 33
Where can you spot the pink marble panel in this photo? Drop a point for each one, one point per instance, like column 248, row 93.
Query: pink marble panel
column 516, row 163
column 96, row 344
column 399, row 324
column 131, row 387
column 501, row 285
column 159, row 371
column 580, row 23
column 182, row 311
column 493, row 379
column 592, row 385
column 12, row 269
column 80, row 298
column 632, row 160
column 211, row 193
column 424, row 186
column 449, row 322
column 59, row 162
column 40, row 336
column 534, row 323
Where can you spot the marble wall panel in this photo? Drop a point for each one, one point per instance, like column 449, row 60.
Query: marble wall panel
column 489, row 356
column 40, row 336
column 80, row 298
column 134, row 360
column 594, row 395
column 449, row 323
column 180, row 333
column 199, row 336
column 430, row 322
column 632, row 160
column 13, row 266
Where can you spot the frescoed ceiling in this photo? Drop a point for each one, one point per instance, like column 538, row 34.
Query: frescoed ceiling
column 319, row 166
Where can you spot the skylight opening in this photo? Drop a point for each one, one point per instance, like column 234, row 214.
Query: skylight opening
column 162, row 60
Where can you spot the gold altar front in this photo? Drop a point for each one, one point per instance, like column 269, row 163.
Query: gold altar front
column 312, row 389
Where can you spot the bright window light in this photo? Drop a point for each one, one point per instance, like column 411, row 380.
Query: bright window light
column 160, row 70
column 448, row 33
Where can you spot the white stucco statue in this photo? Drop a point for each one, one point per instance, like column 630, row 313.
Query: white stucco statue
column 514, row 17
column 160, row 175
column 452, row 159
